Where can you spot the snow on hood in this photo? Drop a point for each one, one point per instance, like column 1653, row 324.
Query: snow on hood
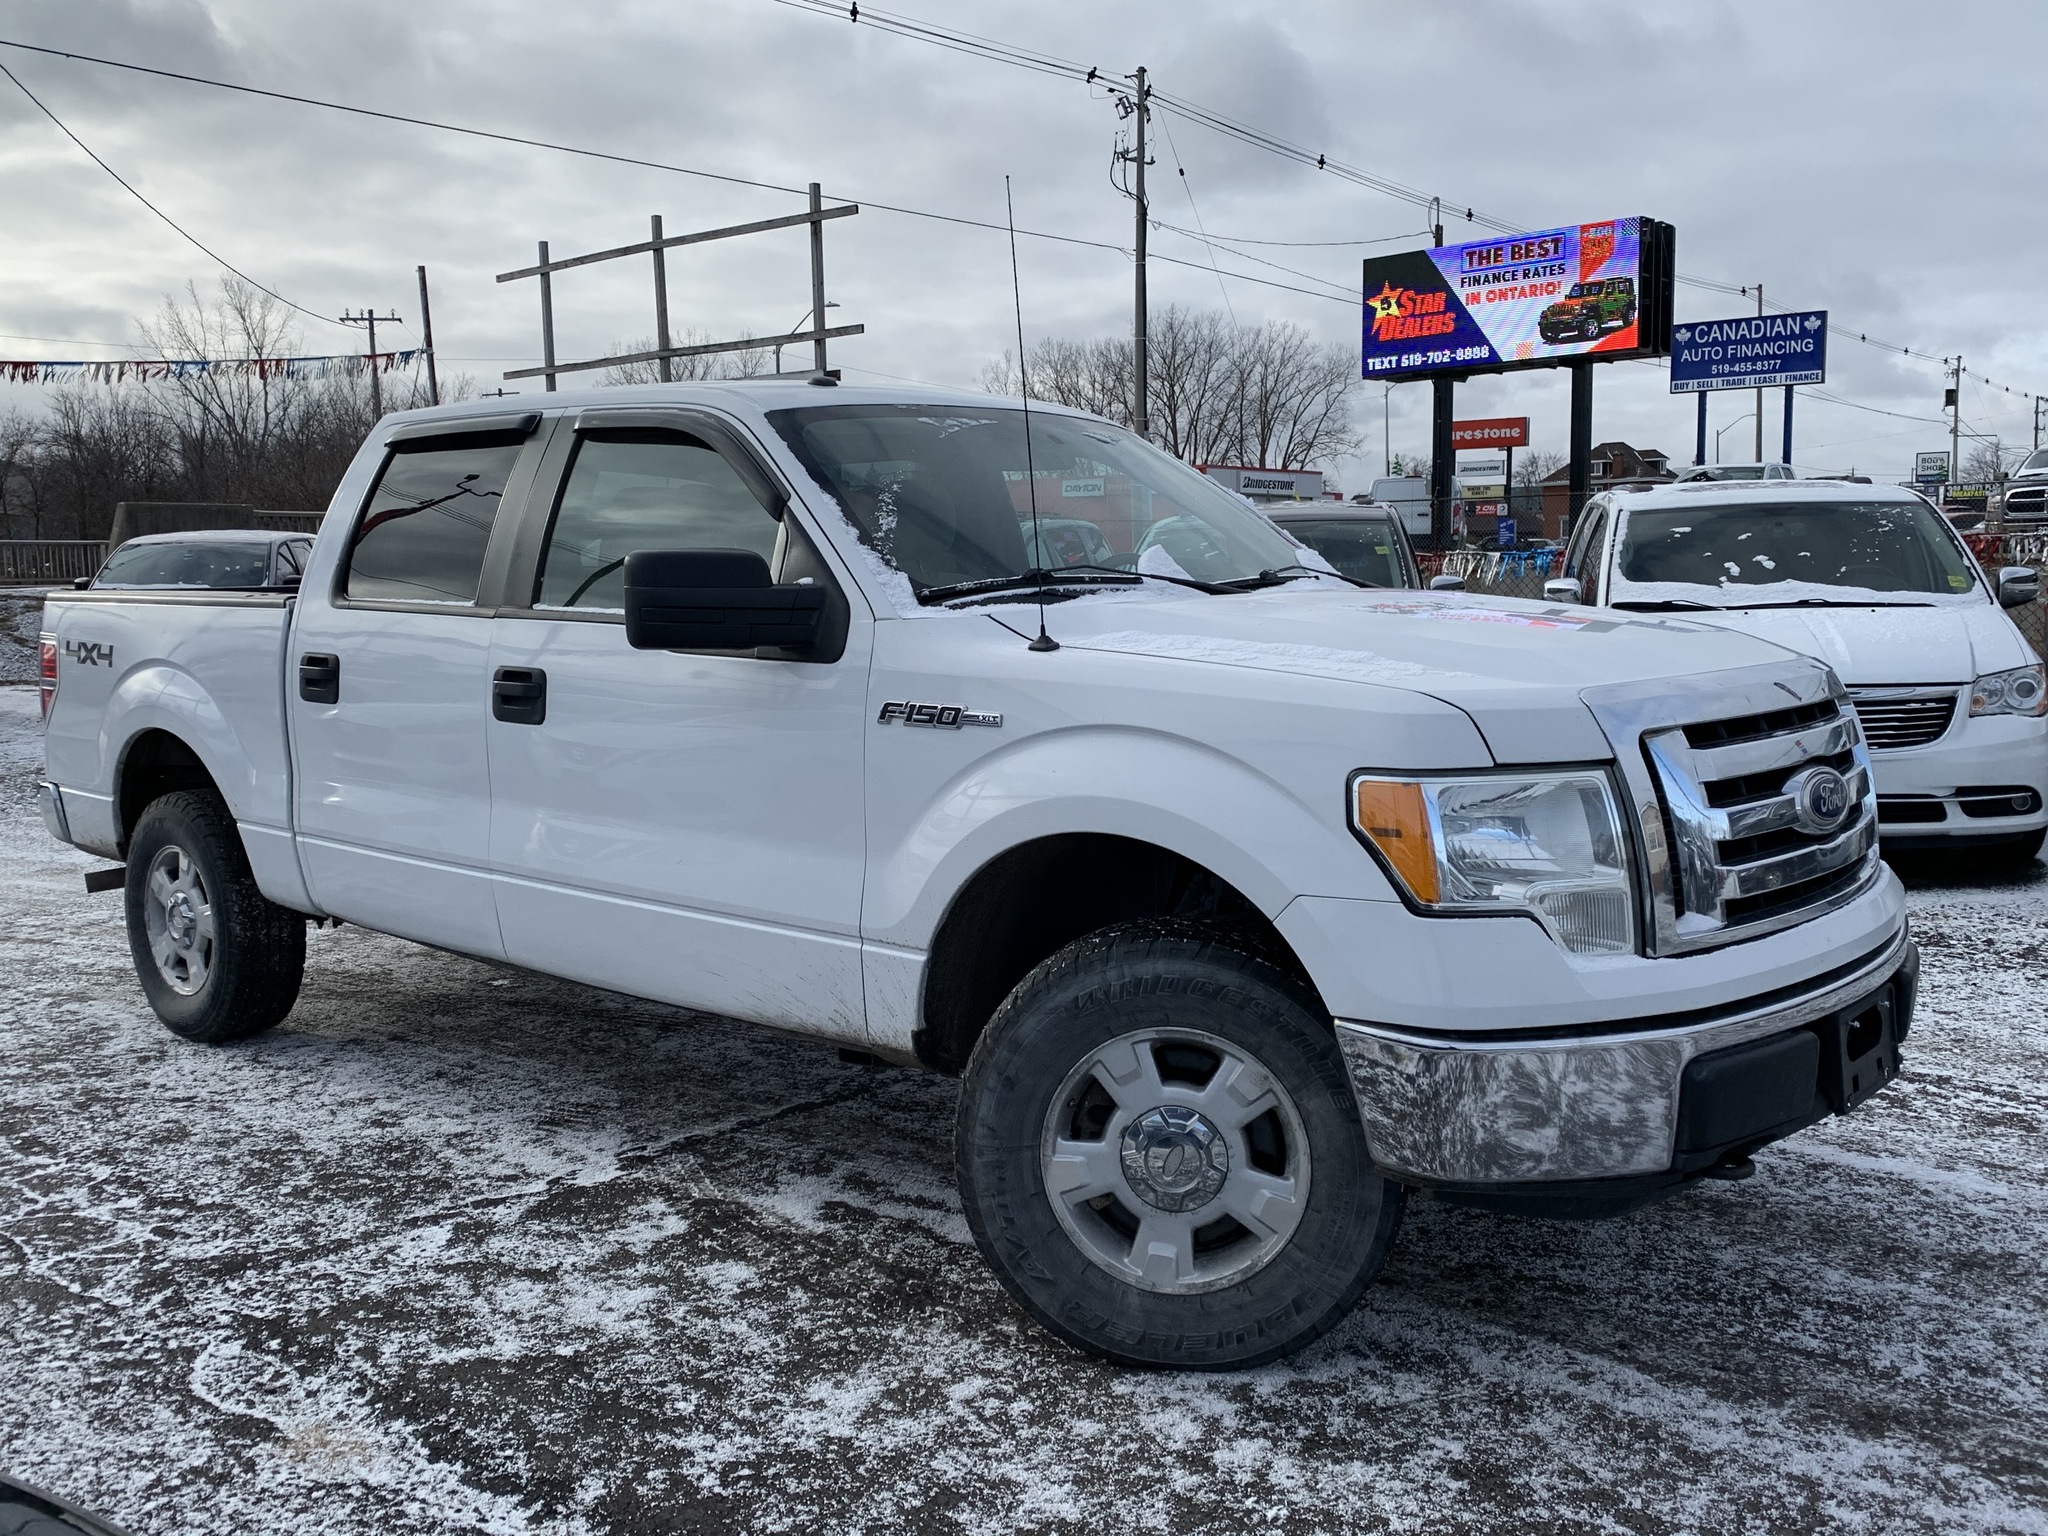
column 1950, row 642
column 1516, row 667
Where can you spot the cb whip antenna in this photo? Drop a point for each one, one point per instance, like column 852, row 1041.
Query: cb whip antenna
column 1044, row 642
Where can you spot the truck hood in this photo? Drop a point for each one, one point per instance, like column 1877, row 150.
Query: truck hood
column 1880, row 645
column 1516, row 667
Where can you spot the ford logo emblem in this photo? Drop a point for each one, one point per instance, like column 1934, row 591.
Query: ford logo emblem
column 1820, row 800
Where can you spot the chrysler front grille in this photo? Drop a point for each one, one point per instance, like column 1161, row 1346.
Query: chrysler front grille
column 1896, row 718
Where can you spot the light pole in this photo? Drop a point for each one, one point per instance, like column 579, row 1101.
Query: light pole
column 829, row 304
column 1386, row 430
column 1738, row 421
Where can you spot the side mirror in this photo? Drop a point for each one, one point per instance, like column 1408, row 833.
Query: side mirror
column 1446, row 583
column 2018, row 585
column 1563, row 589
column 715, row 600
column 288, row 581
column 81, row 583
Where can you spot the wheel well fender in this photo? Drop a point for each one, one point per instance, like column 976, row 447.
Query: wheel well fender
column 155, row 763
column 1032, row 900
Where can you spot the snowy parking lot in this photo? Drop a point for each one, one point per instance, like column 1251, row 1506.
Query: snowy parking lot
column 460, row 1249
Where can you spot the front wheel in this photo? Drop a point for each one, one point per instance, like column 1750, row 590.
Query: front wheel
column 217, row 959
column 1160, row 1155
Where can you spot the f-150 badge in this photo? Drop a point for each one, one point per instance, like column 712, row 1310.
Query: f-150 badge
column 944, row 717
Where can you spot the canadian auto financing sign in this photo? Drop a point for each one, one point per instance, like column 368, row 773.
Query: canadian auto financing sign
column 1520, row 301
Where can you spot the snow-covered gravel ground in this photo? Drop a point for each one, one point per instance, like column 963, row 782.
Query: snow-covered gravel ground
column 460, row 1250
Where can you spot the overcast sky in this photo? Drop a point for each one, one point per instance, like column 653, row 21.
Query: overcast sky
column 1878, row 159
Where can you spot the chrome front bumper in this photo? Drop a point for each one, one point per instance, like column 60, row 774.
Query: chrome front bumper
column 1445, row 1110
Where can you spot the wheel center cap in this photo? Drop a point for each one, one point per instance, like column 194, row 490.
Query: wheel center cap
column 179, row 918
column 1174, row 1159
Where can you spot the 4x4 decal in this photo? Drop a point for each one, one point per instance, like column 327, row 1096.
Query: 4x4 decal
column 90, row 653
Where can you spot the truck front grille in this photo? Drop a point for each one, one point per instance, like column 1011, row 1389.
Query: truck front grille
column 1744, row 801
column 1893, row 718
column 2026, row 501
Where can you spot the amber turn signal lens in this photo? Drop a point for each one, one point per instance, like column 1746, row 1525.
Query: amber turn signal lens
column 1394, row 817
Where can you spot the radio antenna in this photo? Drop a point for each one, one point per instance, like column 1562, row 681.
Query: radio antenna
column 1044, row 642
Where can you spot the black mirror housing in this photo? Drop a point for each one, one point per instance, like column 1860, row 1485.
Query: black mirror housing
column 715, row 600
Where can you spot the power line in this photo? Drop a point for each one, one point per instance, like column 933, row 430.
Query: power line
column 1217, row 122
column 593, row 154
column 129, row 187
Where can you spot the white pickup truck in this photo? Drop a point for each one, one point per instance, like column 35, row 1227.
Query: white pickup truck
column 1246, row 902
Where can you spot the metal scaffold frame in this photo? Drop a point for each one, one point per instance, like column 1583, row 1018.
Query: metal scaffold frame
column 658, row 245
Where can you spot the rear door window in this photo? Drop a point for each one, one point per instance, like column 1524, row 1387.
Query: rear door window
column 422, row 537
column 634, row 489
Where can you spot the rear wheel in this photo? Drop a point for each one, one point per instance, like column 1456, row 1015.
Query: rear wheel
column 217, row 959
column 1160, row 1155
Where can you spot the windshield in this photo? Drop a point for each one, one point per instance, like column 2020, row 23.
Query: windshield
column 186, row 565
column 2035, row 462
column 943, row 494
column 1769, row 550
column 1360, row 547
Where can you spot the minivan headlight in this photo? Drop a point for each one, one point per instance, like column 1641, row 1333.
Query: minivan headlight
column 2022, row 691
column 1546, row 844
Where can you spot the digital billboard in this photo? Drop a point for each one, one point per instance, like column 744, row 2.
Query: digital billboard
column 1537, row 300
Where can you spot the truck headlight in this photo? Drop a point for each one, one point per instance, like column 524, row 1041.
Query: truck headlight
column 1546, row 844
column 2022, row 691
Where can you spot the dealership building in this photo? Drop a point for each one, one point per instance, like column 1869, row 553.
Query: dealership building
column 1268, row 484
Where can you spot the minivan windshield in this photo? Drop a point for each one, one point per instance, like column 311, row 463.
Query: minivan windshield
column 1362, row 548
column 1758, row 553
column 944, row 495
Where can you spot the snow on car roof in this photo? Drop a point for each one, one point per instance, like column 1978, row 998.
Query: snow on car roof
column 1691, row 493
column 219, row 536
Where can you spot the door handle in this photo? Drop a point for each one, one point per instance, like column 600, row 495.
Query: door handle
column 320, row 678
column 519, row 695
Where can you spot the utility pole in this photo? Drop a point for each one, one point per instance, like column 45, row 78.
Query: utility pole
column 369, row 319
column 427, row 342
column 1955, row 419
column 1141, row 371
column 2037, row 418
column 1759, row 393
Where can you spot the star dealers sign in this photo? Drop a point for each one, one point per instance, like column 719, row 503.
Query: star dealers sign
column 1750, row 351
column 1521, row 301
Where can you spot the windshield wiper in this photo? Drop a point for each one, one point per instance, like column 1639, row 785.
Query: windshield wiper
column 1831, row 602
column 1278, row 576
column 1667, row 605
column 1066, row 575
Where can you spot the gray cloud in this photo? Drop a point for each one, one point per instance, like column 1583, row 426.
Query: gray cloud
column 1844, row 153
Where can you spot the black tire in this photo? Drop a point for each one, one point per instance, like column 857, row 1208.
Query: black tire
column 231, row 958
column 1199, row 988
column 2001, row 858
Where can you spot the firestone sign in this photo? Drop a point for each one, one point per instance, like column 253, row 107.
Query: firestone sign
column 1750, row 351
column 1492, row 432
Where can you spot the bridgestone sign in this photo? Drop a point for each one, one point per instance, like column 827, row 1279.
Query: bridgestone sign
column 1267, row 483
column 1750, row 352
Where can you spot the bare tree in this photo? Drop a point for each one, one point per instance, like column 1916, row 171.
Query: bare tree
column 1265, row 395
column 272, row 437
column 1537, row 465
column 750, row 364
column 1989, row 462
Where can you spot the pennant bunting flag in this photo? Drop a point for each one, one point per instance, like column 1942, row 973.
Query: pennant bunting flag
column 147, row 370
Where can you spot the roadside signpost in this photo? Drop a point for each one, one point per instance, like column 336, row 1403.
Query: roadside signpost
column 1504, row 432
column 1931, row 468
column 1749, row 352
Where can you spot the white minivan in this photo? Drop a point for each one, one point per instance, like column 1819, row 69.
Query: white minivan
column 1873, row 581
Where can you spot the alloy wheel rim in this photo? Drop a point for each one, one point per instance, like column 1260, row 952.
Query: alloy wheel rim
column 178, row 916
column 1175, row 1161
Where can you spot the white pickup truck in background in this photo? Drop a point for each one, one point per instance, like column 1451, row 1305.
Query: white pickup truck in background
column 1245, row 901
